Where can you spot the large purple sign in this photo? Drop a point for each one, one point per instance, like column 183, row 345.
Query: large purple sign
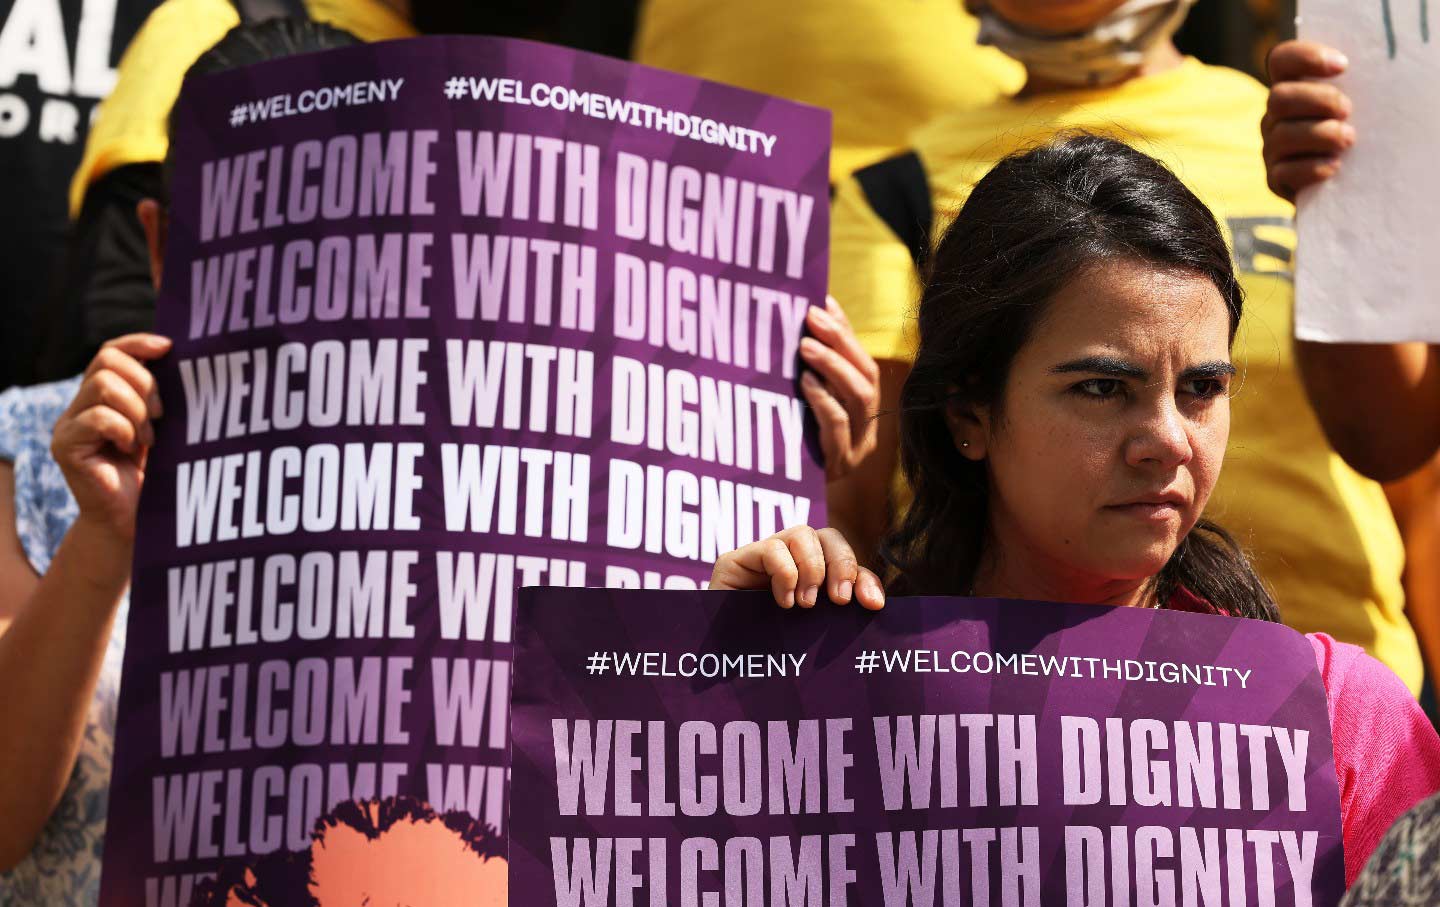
column 452, row 316
column 697, row 749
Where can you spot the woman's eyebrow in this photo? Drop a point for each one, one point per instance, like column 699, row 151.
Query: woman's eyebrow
column 1208, row 370
column 1102, row 365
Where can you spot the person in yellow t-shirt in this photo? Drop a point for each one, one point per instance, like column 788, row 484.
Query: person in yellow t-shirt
column 883, row 67
column 131, row 125
column 1320, row 534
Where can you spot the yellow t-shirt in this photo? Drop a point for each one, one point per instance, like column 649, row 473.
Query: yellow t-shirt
column 883, row 67
column 131, row 124
column 1320, row 534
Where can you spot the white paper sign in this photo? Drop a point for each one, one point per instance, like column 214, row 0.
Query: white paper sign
column 1368, row 262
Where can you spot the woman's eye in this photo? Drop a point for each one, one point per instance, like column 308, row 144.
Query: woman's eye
column 1204, row 387
column 1100, row 387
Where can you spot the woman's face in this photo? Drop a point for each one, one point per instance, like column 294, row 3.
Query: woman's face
column 1112, row 425
column 1050, row 16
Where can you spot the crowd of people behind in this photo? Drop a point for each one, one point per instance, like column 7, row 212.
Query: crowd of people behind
column 1061, row 262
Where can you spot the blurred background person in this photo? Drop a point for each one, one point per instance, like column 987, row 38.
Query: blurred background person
column 1320, row 534
column 57, row 60
column 882, row 67
column 106, row 289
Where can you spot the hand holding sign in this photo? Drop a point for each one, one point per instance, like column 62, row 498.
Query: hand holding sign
column 1306, row 126
column 1366, row 261
column 793, row 564
column 102, row 440
column 845, row 394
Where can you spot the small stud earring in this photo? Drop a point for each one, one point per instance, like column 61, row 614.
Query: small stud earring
column 964, row 443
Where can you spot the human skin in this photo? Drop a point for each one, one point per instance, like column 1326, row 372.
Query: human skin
column 1101, row 454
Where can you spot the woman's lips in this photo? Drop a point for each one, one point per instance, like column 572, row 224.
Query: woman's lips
column 1148, row 510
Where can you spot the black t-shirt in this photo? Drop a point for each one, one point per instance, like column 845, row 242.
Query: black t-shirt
column 57, row 59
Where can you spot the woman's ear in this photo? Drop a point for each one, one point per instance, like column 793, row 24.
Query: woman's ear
column 969, row 425
column 152, row 218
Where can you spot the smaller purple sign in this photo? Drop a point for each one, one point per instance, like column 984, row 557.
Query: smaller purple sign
column 706, row 748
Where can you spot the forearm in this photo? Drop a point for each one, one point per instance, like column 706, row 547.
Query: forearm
column 50, row 658
column 1379, row 404
column 1416, row 504
column 860, row 504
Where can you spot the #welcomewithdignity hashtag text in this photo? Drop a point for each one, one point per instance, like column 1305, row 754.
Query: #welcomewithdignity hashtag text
column 680, row 124
column 1030, row 664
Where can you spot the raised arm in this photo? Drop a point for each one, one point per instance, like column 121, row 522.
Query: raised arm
column 59, row 624
column 1379, row 404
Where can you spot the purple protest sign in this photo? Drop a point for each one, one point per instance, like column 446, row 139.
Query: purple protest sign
column 706, row 748
column 451, row 316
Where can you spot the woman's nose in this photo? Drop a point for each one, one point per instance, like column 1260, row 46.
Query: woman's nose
column 1162, row 438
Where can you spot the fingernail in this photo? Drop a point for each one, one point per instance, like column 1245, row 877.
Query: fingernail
column 159, row 342
column 809, row 346
column 1347, row 134
column 788, row 600
column 809, row 380
column 1335, row 60
column 812, row 595
column 845, row 589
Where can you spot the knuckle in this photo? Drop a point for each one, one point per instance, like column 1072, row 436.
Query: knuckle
column 109, row 358
column 105, row 390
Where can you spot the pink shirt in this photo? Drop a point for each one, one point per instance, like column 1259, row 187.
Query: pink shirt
column 1387, row 757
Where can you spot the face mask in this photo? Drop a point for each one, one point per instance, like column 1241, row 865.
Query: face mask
column 1107, row 53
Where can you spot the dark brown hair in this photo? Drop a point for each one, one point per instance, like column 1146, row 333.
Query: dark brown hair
column 1035, row 222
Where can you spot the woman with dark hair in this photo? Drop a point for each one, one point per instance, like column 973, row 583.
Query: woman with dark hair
column 1064, row 425
column 1321, row 535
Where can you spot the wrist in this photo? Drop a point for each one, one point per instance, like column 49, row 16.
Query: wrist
column 96, row 553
